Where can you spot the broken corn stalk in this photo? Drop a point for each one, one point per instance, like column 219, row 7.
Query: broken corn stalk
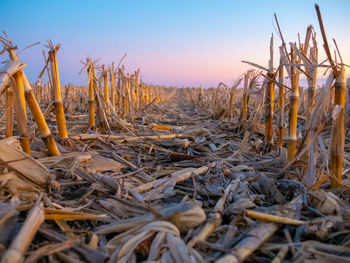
column 61, row 121
column 160, row 127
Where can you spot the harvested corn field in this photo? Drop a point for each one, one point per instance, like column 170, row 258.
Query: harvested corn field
column 122, row 170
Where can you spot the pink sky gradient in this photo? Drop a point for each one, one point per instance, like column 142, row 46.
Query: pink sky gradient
column 182, row 43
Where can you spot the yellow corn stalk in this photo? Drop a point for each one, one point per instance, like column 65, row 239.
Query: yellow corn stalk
column 281, row 105
column 113, row 87
column 22, row 85
column 61, row 121
column 269, row 99
column 125, row 102
column 99, row 104
column 338, row 131
column 119, row 91
column 338, row 128
column 91, row 96
column 245, row 100
column 18, row 89
column 9, row 112
column 106, row 91
column 269, row 104
column 150, row 94
column 137, row 89
column 144, row 93
column 40, row 121
column 293, row 113
column 231, row 106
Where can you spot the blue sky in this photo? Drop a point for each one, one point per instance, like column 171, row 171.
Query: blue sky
column 184, row 43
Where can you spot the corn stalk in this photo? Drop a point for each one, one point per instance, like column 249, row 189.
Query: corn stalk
column 294, row 106
column 106, row 88
column 338, row 127
column 21, row 118
column 281, row 101
column 9, row 112
column 91, row 101
column 269, row 100
column 245, row 98
column 25, row 93
column 58, row 103
column 113, row 87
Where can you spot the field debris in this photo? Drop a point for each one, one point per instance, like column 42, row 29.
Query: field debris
column 124, row 171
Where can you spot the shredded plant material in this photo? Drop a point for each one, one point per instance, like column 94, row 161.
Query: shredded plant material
column 123, row 171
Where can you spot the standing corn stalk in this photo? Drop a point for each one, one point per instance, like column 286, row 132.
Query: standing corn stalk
column 245, row 99
column 92, row 97
column 9, row 112
column 131, row 93
column 231, row 106
column 338, row 127
column 290, row 62
column 92, row 122
column 127, row 94
column 101, row 104
column 106, row 91
column 294, row 106
column 311, row 73
column 90, row 68
column 232, row 92
column 137, row 89
column 58, row 104
column 24, row 92
column 144, row 93
column 42, row 125
column 38, row 87
column 216, row 97
column 269, row 101
column 124, row 94
column 338, row 131
column 201, row 97
column 91, row 107
column 281, row 102
column 113, row 87
column 122, row 91
column 119, row 91
column 150, row 90
column 21, row 117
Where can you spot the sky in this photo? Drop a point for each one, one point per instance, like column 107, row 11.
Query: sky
column 173, row 42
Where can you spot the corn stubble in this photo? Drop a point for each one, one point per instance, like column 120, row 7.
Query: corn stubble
column 146, row 173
